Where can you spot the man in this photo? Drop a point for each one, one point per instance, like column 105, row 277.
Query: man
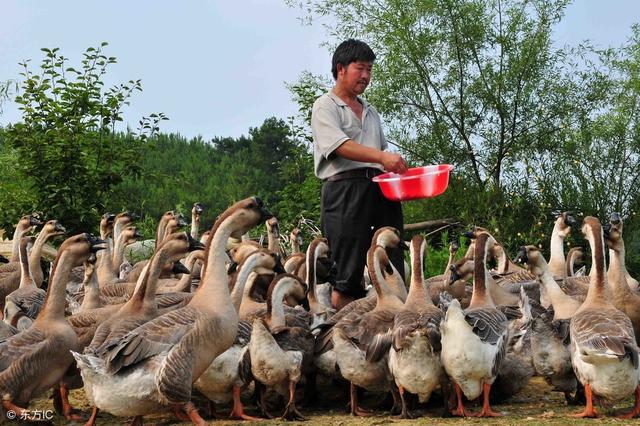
column 349, row 149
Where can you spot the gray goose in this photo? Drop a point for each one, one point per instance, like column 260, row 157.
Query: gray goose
column 23, row 305
column 361, row 342
column 414, row 358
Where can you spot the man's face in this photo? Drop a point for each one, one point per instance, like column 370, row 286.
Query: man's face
column 355, row 76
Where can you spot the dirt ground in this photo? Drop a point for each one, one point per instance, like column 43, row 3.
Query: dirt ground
column 537, row 404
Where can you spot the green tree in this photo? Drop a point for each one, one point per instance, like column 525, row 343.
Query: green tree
column 66, row 142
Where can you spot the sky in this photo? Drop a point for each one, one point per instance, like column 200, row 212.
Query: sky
column 216, row 68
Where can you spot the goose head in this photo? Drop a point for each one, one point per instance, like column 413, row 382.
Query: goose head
column 82, row 247
column 295, row 291
column 178, row 244
column 26, row 224
column 246, row 215
column 533, row 258
column 613, row 232
column 53, row 228
column 564, row 224
column 273, row 227
column 106, row 224
column 454, row 246
column 197, row 210
column 295, row 237
column 389, row 238
column 462, row 270
column 123, row 219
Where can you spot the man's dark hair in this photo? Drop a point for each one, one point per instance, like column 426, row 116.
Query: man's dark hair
column 351, row 51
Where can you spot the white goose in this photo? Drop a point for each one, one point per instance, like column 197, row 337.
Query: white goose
column 603, row 347
column 474, row 341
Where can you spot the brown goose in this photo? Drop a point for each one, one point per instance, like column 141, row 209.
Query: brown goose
column 622, row 296
column 155, row 365
column 11, row 281
column 574, row 257
column 414, row 358
column 23, row 305
column 474, row 341
column 196, row 214
column 35, row 360
column 142, row 306
column 361, row 342
column 604, row 352
column 561, row 229
column 25, row 224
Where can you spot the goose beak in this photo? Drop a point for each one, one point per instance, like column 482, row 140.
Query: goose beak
column 403, row 245
column 615, row 218
column 182, row 222
column 133, row 216
column 60, row 229
column 179, row 268
column 198, row 208
column 232, row 267
column 34, row 222
column 264, row 213
column 194, row 244
column 522, row 257
column 606, row 230
column 455, row 246
column 137, row 234
column 3, row 259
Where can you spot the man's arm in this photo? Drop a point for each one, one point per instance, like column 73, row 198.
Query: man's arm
column 390, row 161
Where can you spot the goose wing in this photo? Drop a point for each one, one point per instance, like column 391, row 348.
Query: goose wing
column 490, row 325
column 21, row 346
column 29, row 301
column 407, row 322
column 607, row 331
column 150, row 339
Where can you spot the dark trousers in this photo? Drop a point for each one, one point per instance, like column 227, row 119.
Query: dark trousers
column 350, row 212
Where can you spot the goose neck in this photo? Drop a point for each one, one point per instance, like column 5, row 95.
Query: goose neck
column 241, row 281
column 275, row 307
column 54, row 302
column 557, row 259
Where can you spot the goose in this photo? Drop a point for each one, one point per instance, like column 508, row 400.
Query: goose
column 183, row 284
column 196, row 213
column 24, row 225
column 318, row 256
column 563, row 305
column 155, row 365
column 474, row 341
column 280, row 352
column 414, row 357
column 91, row 287
column 604, row 352
column 361, row 342
column 142, row 306
column 296, row 241
column 23, row 305
column 325, row 359
column 105, row 272
column 222, row 380
column 35, row 359
column 273, row 235
column 561, row 229
column 11, row 281
column 574, row 256
column 437, row 284
column 621, row 295
column 161, row 232
column 616, row 222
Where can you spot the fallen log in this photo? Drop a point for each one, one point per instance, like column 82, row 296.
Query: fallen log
column 430, row 224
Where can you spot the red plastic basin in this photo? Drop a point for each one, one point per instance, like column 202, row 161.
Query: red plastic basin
column 416, row 183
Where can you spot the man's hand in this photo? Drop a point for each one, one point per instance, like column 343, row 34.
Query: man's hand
column 393, row 162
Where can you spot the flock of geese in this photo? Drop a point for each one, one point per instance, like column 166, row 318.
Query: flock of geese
column 221, row 317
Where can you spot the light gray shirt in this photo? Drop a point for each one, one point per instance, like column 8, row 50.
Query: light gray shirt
column 333, row 123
